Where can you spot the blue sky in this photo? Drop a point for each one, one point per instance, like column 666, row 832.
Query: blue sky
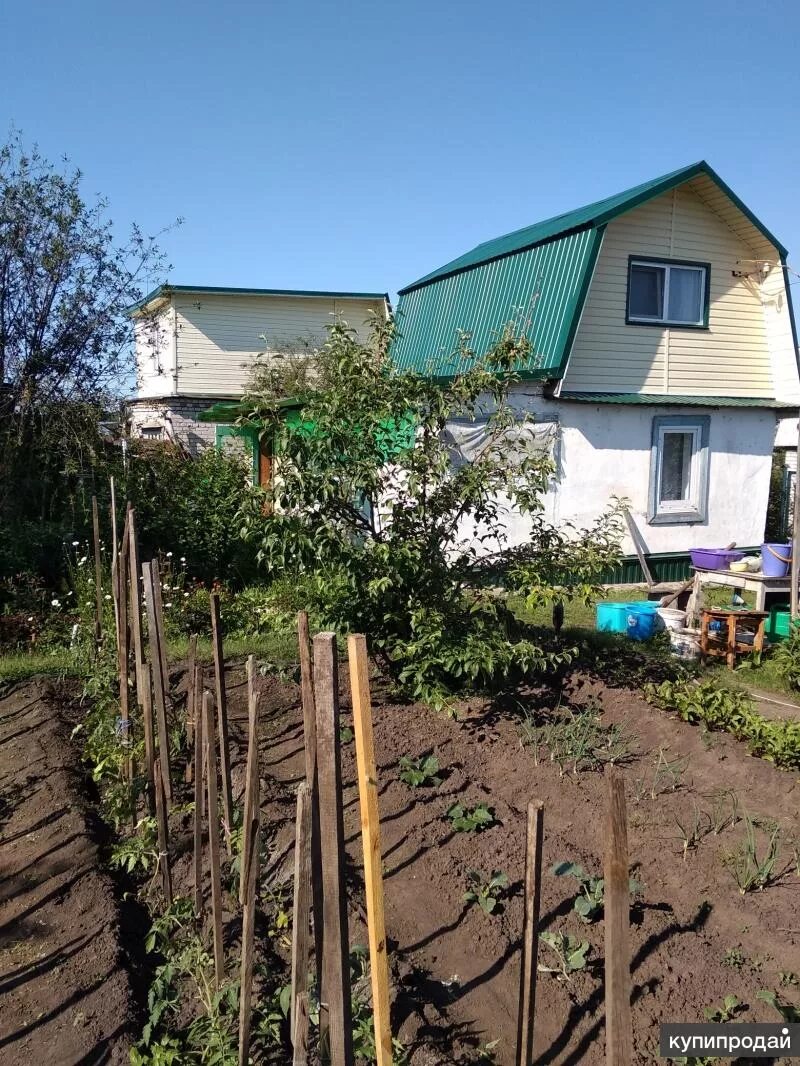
column 360, row 145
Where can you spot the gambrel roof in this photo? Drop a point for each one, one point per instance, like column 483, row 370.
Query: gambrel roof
column 539, row 277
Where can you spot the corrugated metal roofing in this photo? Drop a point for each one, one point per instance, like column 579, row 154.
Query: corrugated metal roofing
column 541, row 289
column 671, row 400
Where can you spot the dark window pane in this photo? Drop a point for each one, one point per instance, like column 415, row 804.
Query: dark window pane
column 646, row 299
column 676, row 459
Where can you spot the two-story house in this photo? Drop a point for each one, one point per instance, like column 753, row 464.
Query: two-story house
column 196, row 348
column 664, row 347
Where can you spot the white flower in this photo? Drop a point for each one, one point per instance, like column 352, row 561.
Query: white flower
column 169, row 555
column 168, row 604
column 55, row 603
column 108, row 596
column 81, row 562
column 186, row 595
column 30, row 617
column 75, row 543
column 183, row 558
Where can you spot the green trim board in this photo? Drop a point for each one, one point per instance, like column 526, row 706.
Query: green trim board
column 664, row 566
column 667, row 400
column 163, row 292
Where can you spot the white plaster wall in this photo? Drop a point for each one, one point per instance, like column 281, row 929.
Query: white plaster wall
column 604, row 451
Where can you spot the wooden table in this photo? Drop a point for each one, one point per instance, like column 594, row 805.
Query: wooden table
column 752, row 582
column 735, row 621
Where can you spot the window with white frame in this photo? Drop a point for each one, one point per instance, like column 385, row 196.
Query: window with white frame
column 667, row 293
column 679, row 470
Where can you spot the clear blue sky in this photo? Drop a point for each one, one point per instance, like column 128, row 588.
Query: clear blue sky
column 359, row 145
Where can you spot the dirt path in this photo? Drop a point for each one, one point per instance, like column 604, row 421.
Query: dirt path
column 65, row 992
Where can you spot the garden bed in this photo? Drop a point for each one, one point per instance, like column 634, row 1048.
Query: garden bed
column 694, row 937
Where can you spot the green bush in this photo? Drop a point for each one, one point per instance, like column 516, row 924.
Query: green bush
column 730, row 710
column 786, row 657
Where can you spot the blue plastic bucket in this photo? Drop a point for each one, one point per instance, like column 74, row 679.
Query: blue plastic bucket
column 642, row 621
column 612, row 617
column 776, row 559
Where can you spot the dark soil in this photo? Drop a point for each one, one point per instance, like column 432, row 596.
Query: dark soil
column 455, row 971
column 64, row 980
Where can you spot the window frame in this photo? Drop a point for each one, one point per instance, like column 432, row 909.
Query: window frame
column 667, row 263
column 695, row 509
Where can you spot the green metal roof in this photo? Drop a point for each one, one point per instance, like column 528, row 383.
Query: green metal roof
column 164, row 291
column 541, row 274
column 672, row 401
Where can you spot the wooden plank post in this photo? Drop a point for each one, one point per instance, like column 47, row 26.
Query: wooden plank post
column 300, row 1057
column 530, row 932
column 98, row 575
column 222, row 717
column 146, row 697
column 158, row 602
column 114, row 556
column 199, row 800
column 213, row 835
column 135, row 568
column 371, row 840
column 163, row 836
column 336, row 961
column 191, row 705
column 619, row 1039
column 249, row 873
column 310, row 745
column 123, row 656
column 302, row 905
column 155, row 636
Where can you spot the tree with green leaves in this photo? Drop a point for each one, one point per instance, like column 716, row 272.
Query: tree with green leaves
column 395, row 535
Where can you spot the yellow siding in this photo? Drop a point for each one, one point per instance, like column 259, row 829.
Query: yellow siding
column 220, row 336
column 730, row 358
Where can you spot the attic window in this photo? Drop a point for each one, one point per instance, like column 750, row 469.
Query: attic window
column 667, row 293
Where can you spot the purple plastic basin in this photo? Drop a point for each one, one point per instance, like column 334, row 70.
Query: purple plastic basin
column 714, row 558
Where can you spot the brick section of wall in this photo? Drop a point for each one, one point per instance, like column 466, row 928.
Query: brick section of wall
column 177, row 419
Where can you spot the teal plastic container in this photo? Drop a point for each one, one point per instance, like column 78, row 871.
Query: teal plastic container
column 779, row 624
column 642, row 621
column 612, row 617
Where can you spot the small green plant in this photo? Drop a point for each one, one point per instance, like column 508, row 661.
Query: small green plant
column 725, row 810
column 570, row 952
column 138, row 851
column 693, row 829
column 788, row 978
column 485, row 892
column 733, row 958
column 667, row 773
column 418, row 772
column 578, row 741
column 590, row 900
column 346, row 734
column 466, row 820
column 788, row 1011
column 753, row 871
column 726, row 1012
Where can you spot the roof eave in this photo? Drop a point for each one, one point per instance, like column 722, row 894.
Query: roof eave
column 163, row 292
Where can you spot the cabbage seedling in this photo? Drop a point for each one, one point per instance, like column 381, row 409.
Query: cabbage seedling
column 464, row 820
column 591, row 899
column 485, row 894
column 417, row 772
column 570, row 952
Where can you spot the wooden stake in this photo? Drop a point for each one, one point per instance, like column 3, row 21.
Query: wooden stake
column 310, row 744
column 371, row 840
column 163, row 838
column 213, row 835
column 98, row 575
column 146, row 697
column 123, row 655
column 199, row 805
column 530, row 933
column 158, row 602
column 336, row 961
column 114, row 557
column 619, row 1041
column 155, row 636
column 300, row 1057
column 222, row 717
column 136, row 598
column 302, row 904
column 191, row 704
column 249, row 875
column 251, row 775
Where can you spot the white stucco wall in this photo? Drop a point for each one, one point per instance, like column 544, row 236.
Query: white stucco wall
column 604, row 451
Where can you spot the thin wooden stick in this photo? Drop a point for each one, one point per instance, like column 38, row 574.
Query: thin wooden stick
column 199, row 805
column 146, row 697
column 302, row 904
column 136, row 598
column 336, row 961
column 98, row 575
column 222, row 717
column 191, row 704
column 163, row 837
column 371, row 840
column 155, row 639
column 530, row 933
column 619, row 1039
column 158, row 602
column 310, row 745
column 249, row 873
column 300, row 1057
column 213, row 835
column 114, row 556
column 123, row 655
column 251, row 773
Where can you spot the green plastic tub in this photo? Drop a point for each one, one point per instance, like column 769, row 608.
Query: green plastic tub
column 778, row 623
